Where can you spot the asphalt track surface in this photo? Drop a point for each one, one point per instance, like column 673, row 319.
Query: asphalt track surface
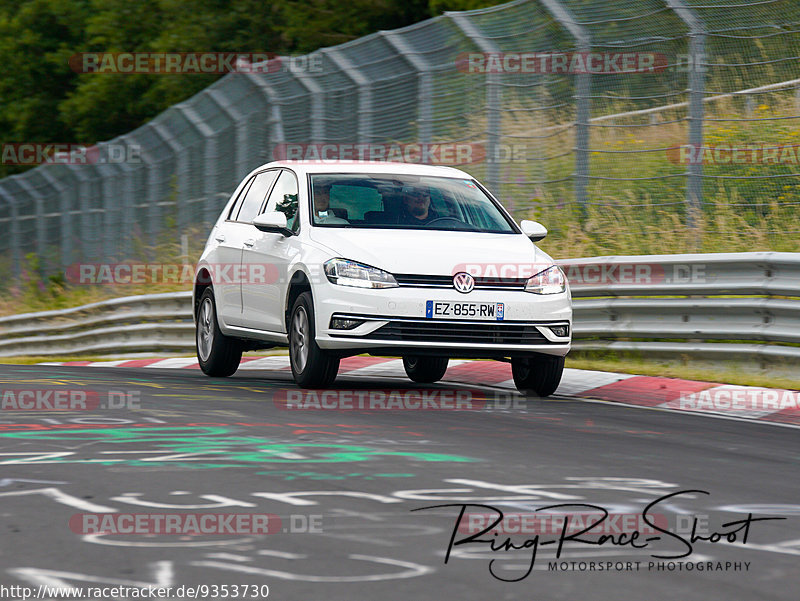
column 223, row 445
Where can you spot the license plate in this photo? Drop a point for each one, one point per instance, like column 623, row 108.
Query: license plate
column 465, row 310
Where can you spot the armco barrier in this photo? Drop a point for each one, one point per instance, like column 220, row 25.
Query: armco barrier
column 147, row 323
column 715, row 306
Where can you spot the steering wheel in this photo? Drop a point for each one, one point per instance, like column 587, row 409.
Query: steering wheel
column 458, row 221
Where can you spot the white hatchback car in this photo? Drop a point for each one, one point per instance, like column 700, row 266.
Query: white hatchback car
column 339, row 259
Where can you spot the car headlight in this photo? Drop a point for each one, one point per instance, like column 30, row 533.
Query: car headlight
column 550, row 281
column 350, row 273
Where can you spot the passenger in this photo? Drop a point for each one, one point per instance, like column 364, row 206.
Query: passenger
column 322, row 211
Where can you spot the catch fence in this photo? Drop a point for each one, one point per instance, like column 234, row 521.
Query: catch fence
column 567, row 109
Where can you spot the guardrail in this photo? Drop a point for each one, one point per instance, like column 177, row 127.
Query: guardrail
column 146, row 323
column 713, row 306
column 726, row 306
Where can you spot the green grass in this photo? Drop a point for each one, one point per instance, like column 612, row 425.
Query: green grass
column 671, row 369
column 638, row 210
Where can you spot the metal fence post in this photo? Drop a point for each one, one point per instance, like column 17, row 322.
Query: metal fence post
column 424, row 84
column 493, row 126
column 697, row 45
column 127, row 219
column 211, row 160
column 493, row 100
column 16, row 261
column 275, row 118
column 365, row 107
column 112, row 214
column 181, row 161
column 152, row 197
column 236, row 117
column 317, row 95
column 583, row 107
column 64, row 193
column 87, row 236
column 41, row 232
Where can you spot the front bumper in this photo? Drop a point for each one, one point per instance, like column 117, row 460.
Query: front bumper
column 394, row 318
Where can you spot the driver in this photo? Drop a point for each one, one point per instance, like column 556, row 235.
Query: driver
column 416, row 208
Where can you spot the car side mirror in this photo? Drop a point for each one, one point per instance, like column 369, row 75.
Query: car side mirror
column 533, row 230
column 274, row 222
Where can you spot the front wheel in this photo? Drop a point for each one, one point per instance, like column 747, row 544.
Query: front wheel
column 312, row 367
column 537, row 374
column 217, row 354
column 425, row 370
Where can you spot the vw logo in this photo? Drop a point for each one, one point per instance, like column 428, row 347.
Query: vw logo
column 463, row 282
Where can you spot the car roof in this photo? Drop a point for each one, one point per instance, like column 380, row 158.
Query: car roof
column 367, row 167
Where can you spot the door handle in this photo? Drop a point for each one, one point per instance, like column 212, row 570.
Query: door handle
column 249, row 243
column 220, row 237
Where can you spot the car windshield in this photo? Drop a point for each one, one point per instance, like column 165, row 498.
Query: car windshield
column 375, row 200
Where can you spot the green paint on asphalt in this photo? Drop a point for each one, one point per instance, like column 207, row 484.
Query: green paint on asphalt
column 293, row 475
column 216, row 446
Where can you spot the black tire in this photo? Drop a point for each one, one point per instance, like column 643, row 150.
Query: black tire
column 425, row 370
column 312, row 367
column 537, row 375
column 218, row 355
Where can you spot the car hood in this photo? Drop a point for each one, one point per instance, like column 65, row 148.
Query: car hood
column 435, row 252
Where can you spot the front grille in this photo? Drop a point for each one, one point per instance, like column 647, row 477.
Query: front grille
column 500, row 282
column 446, row 281
column 438, row 281
column 473, row 332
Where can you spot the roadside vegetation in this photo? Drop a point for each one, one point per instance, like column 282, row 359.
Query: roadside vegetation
column 38, row 37
column 648, row 216
column 639, row 205
column 725, row 373
column 37, row 291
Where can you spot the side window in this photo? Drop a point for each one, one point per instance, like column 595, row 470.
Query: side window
column 255, row 195
column 353, row 202
column 238, row 204
column 284, row 199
